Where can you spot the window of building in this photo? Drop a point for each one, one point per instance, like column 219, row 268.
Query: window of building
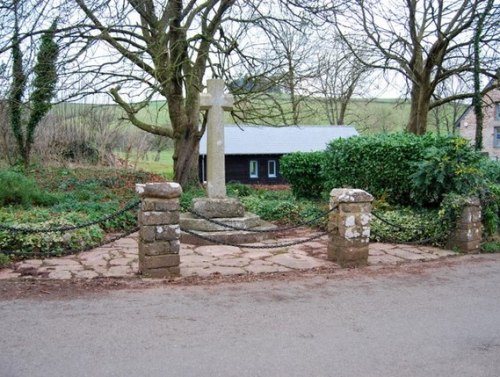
column 496, row 138
column 254, row 169
column 497, row 110
column 271, row 169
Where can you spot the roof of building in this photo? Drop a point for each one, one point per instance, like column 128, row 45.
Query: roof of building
column 244, row 140
column 493, row 84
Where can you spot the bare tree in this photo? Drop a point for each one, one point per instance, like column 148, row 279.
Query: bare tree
column 274, row 64
column 339, row 75
column 290, row 55
column 167, row 43
column 443, row 118
column 426, row 41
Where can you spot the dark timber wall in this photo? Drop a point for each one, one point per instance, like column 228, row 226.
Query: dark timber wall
column 238, row 169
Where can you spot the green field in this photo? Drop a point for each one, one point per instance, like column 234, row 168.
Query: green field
column 164, row 166
column 368, row 116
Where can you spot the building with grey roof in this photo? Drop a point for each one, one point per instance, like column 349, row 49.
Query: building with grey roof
column 252, row 153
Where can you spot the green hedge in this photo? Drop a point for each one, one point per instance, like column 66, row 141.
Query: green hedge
column 491, row 170
column 303, row 172
column 403, row 168
column 380, row 164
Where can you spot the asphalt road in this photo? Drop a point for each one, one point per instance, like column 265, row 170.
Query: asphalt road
column 438, row 321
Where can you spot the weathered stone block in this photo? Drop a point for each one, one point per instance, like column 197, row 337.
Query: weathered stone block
column 350, row 196
column 147, row 233
column 470, row 215
column 156, row 248
column 168, row 232
column 470, row 234
column 148, row 262
column 348, row 253
column 192, row 222
column 465, row 246
column 467, row 235
column 160, row 273
column 175, row 246
column 331, row 252
column 155, row 204
column 340, row 242
column 158, row 218
column 217, row 208
column 166, row 190
column 352, row 258
column 355, row 207
column 167, row 205
column 147, row 205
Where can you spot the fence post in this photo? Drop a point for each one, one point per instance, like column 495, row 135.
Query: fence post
column 468, row 232
column 159, row 230
column 349, row 227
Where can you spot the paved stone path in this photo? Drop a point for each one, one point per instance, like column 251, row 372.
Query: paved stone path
column 120, row 259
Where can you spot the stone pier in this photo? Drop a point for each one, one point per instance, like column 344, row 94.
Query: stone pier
column 467, row 235
column 159, row 233
column 349, row 227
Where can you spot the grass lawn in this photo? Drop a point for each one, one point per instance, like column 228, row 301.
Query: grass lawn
column 163, row 167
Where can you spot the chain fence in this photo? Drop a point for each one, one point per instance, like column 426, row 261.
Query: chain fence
column 263, row 246
column 72, row 227
column 416, row 231
column 312, row 221
column 62, row 229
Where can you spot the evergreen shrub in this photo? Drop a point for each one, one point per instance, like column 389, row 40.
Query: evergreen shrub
column 450, row 165
column 491, row 170
column 405, row 169
column 380, row 164
column 302, row 172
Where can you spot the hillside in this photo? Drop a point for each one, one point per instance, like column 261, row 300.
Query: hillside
column 368, row 116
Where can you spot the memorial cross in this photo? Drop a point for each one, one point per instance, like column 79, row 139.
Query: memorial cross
column 216, row 102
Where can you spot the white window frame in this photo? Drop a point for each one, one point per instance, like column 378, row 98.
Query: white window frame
column 496, row 137
column 254, row 168
column 271, row 172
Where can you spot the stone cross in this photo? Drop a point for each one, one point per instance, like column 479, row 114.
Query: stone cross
column 216, row 102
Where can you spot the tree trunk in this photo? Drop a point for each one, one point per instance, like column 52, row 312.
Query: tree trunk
column 186, row 152
column 420, row 101
column 343, row 110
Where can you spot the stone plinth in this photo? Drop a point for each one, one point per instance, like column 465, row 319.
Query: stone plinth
column 218, row 208
column 467, row 235
column 349, row 227
column 247, row 222
column 159, row 232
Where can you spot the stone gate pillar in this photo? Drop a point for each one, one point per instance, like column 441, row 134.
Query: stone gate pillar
column 349, row 227
column 468, row 232
column 159, row 231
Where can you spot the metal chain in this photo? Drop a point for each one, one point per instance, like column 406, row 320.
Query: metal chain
column 71, row 252
column 416, row 242
column 389, row 222
column 274, row 230
column 72, row 227
column 274, row 246
column 401, row 228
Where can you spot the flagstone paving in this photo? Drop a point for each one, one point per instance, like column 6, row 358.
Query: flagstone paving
column 120, row 259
